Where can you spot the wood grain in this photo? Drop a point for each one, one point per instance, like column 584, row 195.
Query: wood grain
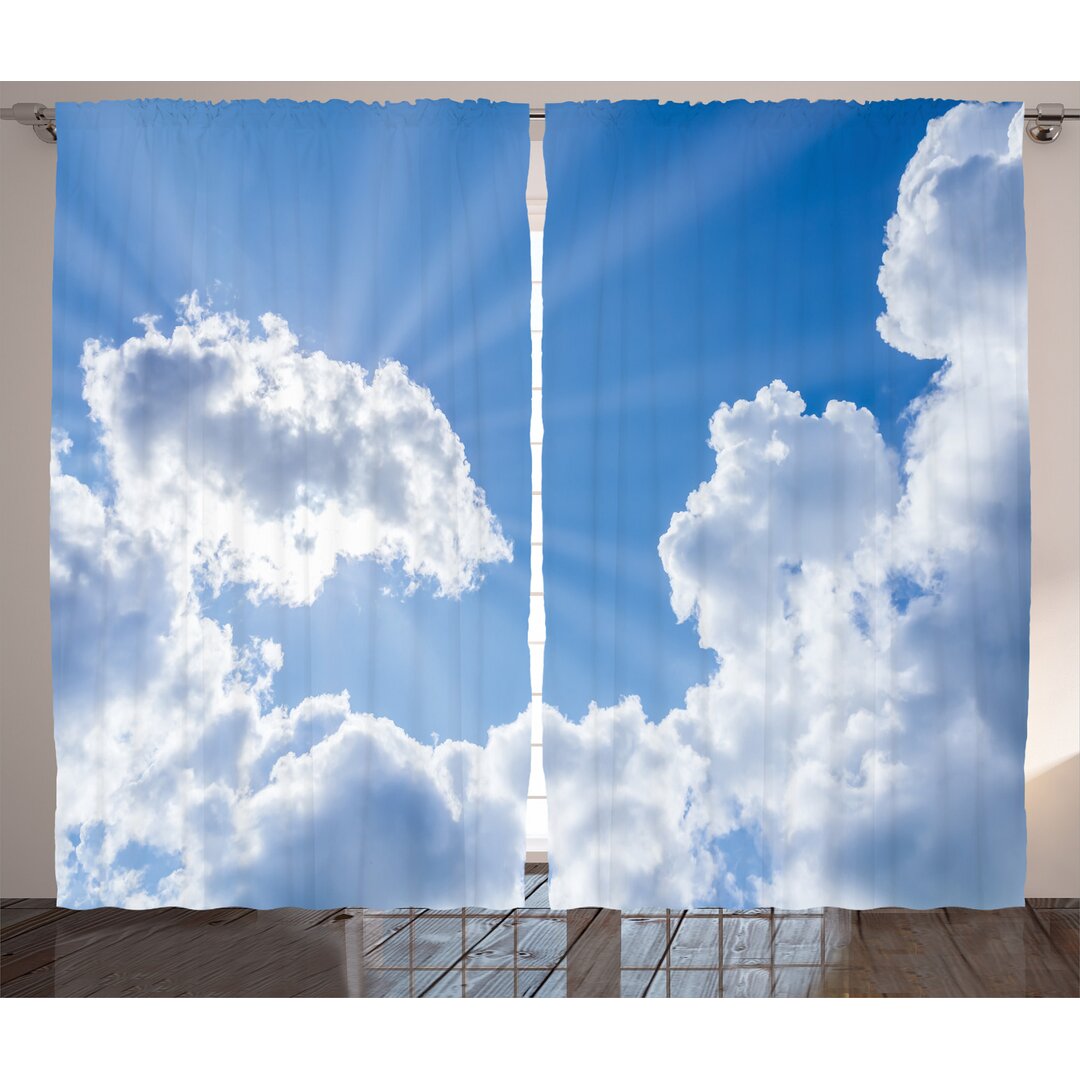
column 48, row 951
column 593, row 959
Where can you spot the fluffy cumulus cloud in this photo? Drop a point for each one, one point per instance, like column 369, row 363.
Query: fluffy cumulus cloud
column 239, row 458
column 864, row 726
column 953, row 274
column 367, row 812
column 621, row 809
column 790, row 492
column 276, row 462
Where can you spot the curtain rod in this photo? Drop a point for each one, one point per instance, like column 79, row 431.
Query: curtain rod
column 1043, row 122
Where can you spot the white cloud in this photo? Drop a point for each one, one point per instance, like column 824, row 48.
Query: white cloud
column 953, row 274
column 370, row 813
column 954, row 281
column 790, row 491
column 782, row 740
column 865, row 724
column 617, row 789
column 274, row 463
column 179, row 779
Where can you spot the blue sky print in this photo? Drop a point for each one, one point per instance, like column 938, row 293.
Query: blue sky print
column 786, row 504
column 290, row 503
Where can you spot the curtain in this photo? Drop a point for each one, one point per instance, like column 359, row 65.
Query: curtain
column 786, row 504
column 290, row 503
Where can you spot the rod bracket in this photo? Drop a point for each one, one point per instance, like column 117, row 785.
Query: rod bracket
column 1045, row 125
column 34, row 115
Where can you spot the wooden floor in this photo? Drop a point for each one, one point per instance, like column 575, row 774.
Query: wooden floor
column 535, row 952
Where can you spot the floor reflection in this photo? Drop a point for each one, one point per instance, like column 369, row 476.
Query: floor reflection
column 536, row 952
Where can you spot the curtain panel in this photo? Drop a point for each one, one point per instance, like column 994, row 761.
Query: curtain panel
column 786, row 504
column 786, row 514
column 290, row 503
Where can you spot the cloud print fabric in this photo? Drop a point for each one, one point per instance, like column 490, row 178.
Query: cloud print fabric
column 786, row 504
column 290, row 504
column 786, row 541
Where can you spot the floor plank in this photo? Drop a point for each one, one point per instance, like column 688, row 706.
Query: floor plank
column 643, row 941
column 593, row 958
column 747, row 941
column 950, row 952
column 537, row 942
column 696, row 943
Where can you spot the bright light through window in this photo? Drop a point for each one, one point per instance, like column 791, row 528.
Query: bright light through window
column 536, row 818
